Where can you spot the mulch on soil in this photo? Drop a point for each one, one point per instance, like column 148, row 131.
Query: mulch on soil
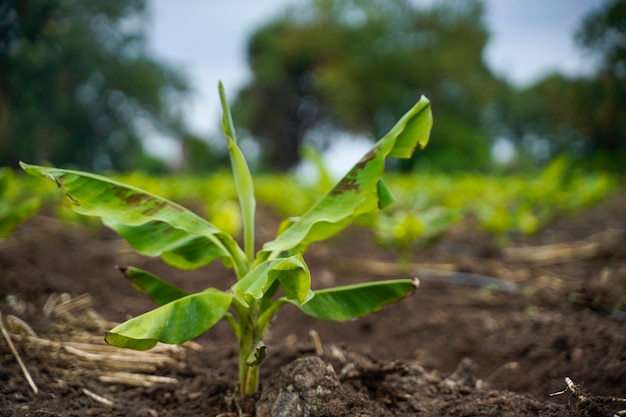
column 450, row 349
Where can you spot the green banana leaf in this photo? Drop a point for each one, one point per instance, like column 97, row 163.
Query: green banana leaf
column 175, row 322
column 242, row 176
column 292, row 273
column 352, row 301
column 160, row 291
column 361, row 190
column 151, row 224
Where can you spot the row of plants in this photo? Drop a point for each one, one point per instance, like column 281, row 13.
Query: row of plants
column 428, row 203
column 502, row 205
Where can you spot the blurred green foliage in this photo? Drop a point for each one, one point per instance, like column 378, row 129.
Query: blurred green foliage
column 428, row 203
column 79, row 89
column 357, row 65
column 602, row 33
column 406, row 230
column 504, row 206
column 77, row 86
column 582, row 117
column 16, row 204
column 353, row 65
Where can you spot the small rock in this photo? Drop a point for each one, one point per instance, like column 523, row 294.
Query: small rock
column 298, row 389
column 464, row 374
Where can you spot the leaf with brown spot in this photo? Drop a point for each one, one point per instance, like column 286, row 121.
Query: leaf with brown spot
column 151, row 224
column 361, row 190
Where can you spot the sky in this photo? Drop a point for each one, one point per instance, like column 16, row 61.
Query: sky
column 206, row 39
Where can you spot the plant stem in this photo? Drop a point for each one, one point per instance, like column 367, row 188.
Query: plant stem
column 249, row 338
column 248, row 377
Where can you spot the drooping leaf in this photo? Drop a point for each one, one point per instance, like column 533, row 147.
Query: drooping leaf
column 175, row 322
column 153, row 225
column 161, row 291
column 361, row 190
column 352, row 301
column 242, row 176
column 292, row 273
column 177, row 247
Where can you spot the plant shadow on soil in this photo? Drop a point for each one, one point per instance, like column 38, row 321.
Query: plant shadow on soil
column 448, row 350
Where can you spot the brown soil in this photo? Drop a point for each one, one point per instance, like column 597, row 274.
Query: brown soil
column 452, row 349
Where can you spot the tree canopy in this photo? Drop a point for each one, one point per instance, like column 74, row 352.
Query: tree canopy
column 357, row 65
column 77, row 85
column 583, row 117
column 79, row 88
column 603, row 33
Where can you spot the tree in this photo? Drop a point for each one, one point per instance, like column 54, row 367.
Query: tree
column 602, row 33
column 199, row 157
column 583, row 117
column 538, row 120
column 357, row 65
column 77, row 85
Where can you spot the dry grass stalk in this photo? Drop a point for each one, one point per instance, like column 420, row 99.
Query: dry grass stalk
column 383, row 268
column 135, row 380
column 98, row 398
column 17, row 325
column 597, row 245
column 7, row 337
column 96, row 356
column 87, row 351
column 317, row 342
column 69, row 305
column 119, row 356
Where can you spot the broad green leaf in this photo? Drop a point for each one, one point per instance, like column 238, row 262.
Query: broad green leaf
column 242, row 176
column 162, row 292
column 361, row 190
column 352, row 301
column 292, row 273
column 153, row 225
column 177, row 247
column 175, row 322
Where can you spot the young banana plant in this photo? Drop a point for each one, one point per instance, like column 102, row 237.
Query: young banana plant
column 155, row 226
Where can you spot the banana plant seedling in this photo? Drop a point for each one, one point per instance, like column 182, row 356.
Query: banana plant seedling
column 406, row 230
column 155, row 226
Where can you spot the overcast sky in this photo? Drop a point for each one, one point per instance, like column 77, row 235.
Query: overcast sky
column 207, row 40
